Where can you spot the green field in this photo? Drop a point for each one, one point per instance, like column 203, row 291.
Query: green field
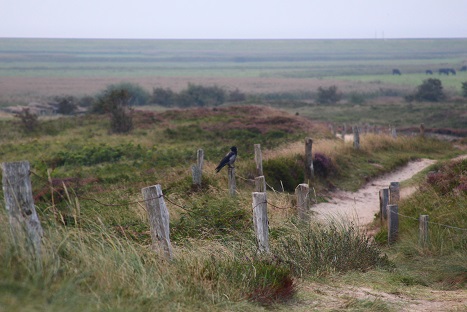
column 232, row 58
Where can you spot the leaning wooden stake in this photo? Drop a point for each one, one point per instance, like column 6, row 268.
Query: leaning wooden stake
column 393, row 223
column 260, row 184
column 232, row 183
column 383, row 203
column 394, row 132
column 260, row 220
column 200, row 158
column 19, row 204
column 356, row 137
column 309, row 170
column 423, row 229
column 394, row 193
column 344, row 132
column 303, row 201
column 422, row 130
column 197, row 170
column 258, row 160
column 158, row 220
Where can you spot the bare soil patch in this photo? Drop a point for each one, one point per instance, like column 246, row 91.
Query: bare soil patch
column 361, row 206
column 338, row 297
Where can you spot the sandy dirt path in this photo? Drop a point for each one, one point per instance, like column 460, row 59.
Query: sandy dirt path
column 361, row 206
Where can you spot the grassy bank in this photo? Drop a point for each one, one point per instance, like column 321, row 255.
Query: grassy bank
column 97, row 255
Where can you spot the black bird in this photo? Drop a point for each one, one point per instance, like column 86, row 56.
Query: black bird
column 229, row 159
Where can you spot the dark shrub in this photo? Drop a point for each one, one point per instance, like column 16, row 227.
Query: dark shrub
column 163, row 97
column 116, row 103
column 237, row 96
column 29, row 122
column 430, row 90
column 67, row 105
column 322, row 165
column 464, row 89
column 134, row 96
column 328, row 95
column 197, row 95
column 284, row 173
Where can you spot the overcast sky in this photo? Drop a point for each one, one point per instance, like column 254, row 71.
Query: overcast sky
column 239, row 19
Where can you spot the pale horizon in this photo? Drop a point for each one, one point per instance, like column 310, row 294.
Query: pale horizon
column 242, row 20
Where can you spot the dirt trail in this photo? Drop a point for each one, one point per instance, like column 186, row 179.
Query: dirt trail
column 361, row 206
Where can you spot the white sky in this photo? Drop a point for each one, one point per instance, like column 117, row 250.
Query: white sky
column 240, row 19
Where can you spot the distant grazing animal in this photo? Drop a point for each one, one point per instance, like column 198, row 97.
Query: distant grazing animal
column 395, row 71
column 228, row 160
column 452, row 71
column 429, row 72
column 463, row 68
column 444, row 71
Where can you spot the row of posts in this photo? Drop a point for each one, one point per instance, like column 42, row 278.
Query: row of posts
column 370, row 129
column 389, row 212
column 22, row 215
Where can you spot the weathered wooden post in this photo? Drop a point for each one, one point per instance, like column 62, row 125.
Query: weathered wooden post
column 423, row 229
column 309, row 170
column 258, row 160
column 394, row 193
column 260, row 220
column 344, row 131
column 260, row 184
column 303, row 201
column 394, row 132
column 200, row 158
column 422, row 130
column 356, row 137
column 333, row 130
column 393, row 223
column 383, row 203
column 232, row 183
column 197, row 170
column 158, row 219
column 196, row 174
column 19, row 203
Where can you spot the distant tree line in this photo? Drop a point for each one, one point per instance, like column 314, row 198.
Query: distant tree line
column 117, row 101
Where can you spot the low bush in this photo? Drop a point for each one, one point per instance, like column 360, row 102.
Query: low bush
column 329, row 95
column 321, row 249
column 284, row 173
column 209, row 218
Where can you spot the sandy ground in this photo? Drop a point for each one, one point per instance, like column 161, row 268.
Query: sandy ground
column 361, row 206
column 339, row 297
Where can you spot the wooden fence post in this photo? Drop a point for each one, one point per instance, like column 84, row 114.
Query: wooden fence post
column 383, row 203
column 356, row 137
column 197, row 170
column 394, row 193
column 197, row 174
column 258, row 160
column 260, row 184
column 19, row 203
column 200, row 158
column 423, row 228
column 232, row 183
column 393, row 223
column 158, row 219
column 394, row 132
column 344, row 131
column 260, row 220
column 303, row 201
column 422, row 130
column 309, row 170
